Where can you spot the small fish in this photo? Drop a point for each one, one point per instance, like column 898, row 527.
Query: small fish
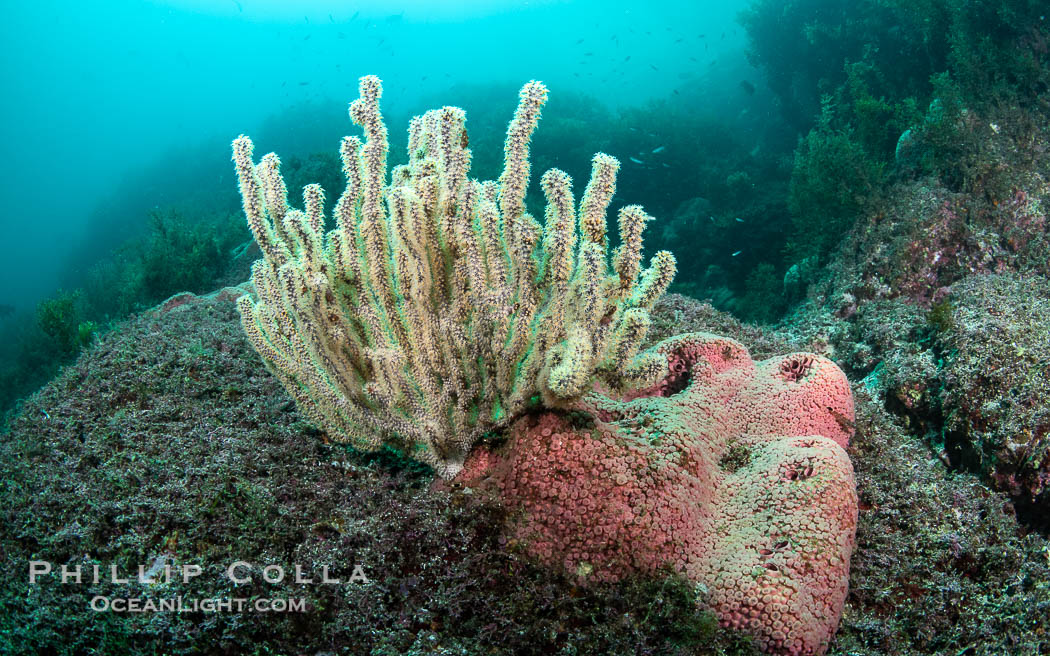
column 579, row 41
column 653, row 67
column 659, row 149
column 712, row 219
column 307, row 37
column 330, row 18
column 627, row 59
column 356, row 14
column 666, row 166
column 736, row 253
column 748, row 88
column 633, row 129
column 676, row 92
column 588, row 54
column 635, row 160
column 303, row 84
column 239, row 7
column 738, row 220
column 341, row 35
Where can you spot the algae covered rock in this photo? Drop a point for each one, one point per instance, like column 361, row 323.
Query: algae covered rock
column 168, row 443
column 996, row 396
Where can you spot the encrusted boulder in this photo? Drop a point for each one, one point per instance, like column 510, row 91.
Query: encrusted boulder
column 996, row 391
column 728, row 471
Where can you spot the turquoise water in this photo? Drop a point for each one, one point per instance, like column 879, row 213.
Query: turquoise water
column 123, row 106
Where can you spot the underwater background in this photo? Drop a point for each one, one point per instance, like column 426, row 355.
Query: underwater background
column 152, row 94
column 866, row 181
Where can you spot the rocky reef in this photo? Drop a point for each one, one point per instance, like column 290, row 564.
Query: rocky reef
column 167, row 439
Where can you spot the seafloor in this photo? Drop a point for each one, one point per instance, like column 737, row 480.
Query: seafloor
column 168, row 438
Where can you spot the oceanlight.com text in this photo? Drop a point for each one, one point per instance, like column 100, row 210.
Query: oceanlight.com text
column 191, row 605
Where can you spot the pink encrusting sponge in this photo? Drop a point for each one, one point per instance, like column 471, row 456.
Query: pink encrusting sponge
column 730, row 472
